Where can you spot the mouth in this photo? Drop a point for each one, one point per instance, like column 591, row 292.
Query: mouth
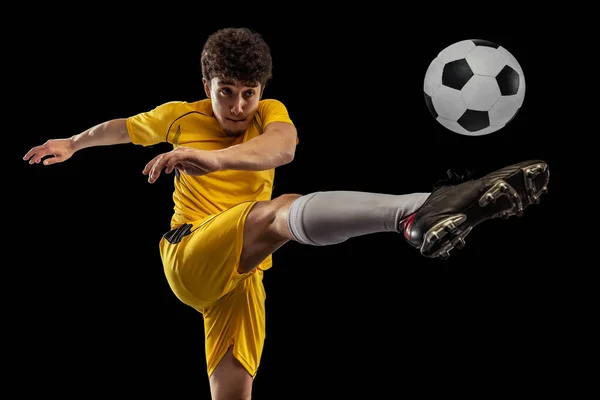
column 236, row 120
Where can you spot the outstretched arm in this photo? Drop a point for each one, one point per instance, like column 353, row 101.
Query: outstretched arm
column 59, row 150
column 274, row 147
column 104, row 134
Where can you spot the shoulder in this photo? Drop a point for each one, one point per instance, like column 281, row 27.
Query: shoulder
column 271, row 104
column 179, row 106
column 183, row 106
column 271, row 110
column 174, row 108
column 268, row 107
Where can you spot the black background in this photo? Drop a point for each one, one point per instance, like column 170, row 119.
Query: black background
column 91, row 309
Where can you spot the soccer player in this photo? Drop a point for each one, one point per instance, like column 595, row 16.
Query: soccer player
column 226, row 226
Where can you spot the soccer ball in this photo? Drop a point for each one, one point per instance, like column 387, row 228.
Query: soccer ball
column 474, row 87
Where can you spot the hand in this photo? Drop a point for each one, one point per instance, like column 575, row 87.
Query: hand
column 186, row 159
column 60, row 150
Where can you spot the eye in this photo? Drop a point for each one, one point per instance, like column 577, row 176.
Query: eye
column 249, row 93
column 225, row 91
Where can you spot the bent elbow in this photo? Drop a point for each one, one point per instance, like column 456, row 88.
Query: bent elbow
column 288, row 156
column 283, row 158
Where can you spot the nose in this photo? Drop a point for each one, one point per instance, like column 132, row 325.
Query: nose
column 238, row 106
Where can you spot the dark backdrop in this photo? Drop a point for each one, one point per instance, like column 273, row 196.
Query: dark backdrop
column 95, row 313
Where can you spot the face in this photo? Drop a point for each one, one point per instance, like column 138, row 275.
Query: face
column 233, row 103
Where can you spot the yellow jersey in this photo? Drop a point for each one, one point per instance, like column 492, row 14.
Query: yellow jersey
column 192, row 124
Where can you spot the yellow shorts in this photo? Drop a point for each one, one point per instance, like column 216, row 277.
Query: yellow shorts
column 200, row 262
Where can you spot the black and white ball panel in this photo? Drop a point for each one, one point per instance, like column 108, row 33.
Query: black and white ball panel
column 456, row 74
column 508, row 81
column 487, row 43
column 474, row 87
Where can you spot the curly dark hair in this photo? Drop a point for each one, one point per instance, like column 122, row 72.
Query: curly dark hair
column 238, row 54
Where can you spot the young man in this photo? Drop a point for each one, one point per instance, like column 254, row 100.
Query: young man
column 225, row 225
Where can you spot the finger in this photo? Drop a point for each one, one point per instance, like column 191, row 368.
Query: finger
column 29, row 154
column 32, row 152
column 37, row 158
column 53, row 160
column 148, row 168
column 171, row 165
column 157, row 168
column 153, row 174
column 150, row 164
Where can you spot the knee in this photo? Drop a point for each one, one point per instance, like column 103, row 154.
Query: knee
column 284, row 200
column 271, row 216
column 281, row 206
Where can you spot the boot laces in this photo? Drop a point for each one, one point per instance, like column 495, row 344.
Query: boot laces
column 454, row 178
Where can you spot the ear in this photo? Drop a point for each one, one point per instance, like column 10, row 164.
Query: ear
column 262, row 90
column 206, row 85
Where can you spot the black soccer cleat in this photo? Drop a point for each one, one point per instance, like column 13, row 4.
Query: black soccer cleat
column 451, row 212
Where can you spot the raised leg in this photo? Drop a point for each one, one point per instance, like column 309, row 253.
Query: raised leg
column 321, row 219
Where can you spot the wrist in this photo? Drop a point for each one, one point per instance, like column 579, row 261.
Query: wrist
column 220, row 162
column 75, row 143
